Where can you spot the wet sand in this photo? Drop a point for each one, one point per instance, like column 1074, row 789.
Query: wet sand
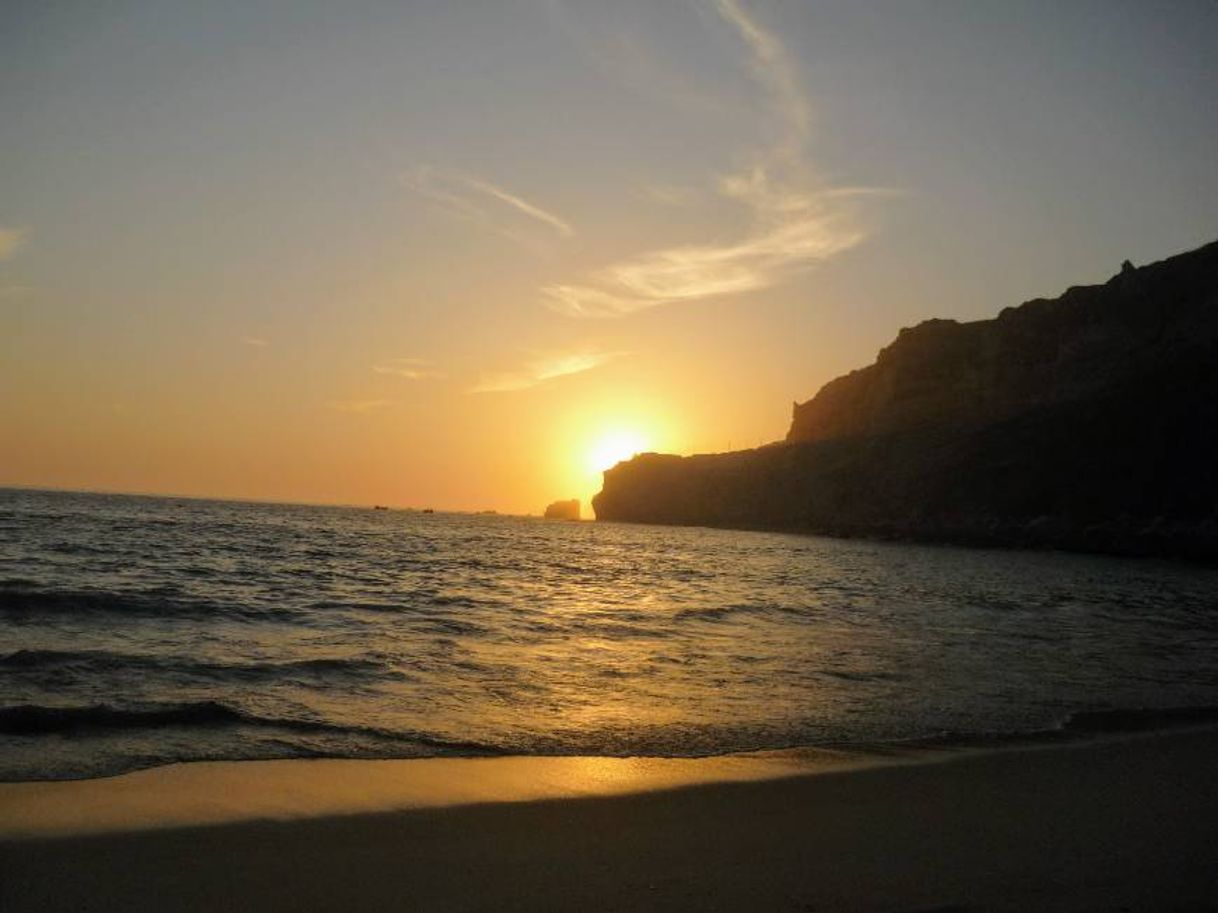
column 1120, row 825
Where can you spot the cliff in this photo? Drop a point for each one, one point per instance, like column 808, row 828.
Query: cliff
column 1089, row 421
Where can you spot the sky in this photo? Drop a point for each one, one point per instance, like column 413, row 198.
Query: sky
column 462, row 255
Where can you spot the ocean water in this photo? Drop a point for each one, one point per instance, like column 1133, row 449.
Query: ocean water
column 139, row 631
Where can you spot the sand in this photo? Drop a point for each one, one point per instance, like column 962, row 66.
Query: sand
column 1119, row 825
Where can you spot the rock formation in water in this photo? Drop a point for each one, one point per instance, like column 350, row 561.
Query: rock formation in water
column 563, row 510
column 1089, row 422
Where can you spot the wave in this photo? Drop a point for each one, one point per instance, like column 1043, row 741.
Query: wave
column 293, row 738
column 105, row 661
column 21, row 598
column 35, row 719
column 1076, row 726
column 38, row 720
column 408, row 602
column 77, row 548
column 717, row 613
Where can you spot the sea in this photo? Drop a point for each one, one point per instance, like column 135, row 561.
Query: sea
column 140, row 631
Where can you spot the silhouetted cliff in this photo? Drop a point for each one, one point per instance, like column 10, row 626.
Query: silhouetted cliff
column 1089, row 421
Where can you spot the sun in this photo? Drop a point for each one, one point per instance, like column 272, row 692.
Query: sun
column 611, row 447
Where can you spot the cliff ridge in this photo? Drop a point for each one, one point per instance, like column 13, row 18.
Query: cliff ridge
column 1088, row 421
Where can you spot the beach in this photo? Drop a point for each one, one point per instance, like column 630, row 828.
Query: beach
column 1121, row 824
column 564, row 457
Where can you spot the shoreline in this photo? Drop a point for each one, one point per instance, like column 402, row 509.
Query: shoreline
column 218, row 793
column 1076, row 727
column 1127, row 822
column 187, row 794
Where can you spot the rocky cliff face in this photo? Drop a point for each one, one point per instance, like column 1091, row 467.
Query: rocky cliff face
column 1089, row 421
column 1028, row 357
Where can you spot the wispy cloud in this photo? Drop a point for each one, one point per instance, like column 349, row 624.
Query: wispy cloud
column 487, row 205
column 523, row 206
column 795, row 220
column 543, row 369
column 796, row 236
column 666, row 194
column 11, row 240
column 360, row 406
column 408, row 368
column 773, row 69
column 253, row 341
column 630, row 49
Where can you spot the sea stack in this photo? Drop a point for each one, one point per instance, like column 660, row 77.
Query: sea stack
column 563, row 510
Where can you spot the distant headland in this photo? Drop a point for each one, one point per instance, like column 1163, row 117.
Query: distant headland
column 1086, row 422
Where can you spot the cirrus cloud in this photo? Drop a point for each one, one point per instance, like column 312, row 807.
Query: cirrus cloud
column 360, row 406
column 795, row 220
column 543, row 369
column 487, row 205
column 407, row 368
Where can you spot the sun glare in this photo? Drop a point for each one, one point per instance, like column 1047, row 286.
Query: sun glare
column 614, row 446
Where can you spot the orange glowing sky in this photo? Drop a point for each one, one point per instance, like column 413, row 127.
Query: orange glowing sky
column 466, row 255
